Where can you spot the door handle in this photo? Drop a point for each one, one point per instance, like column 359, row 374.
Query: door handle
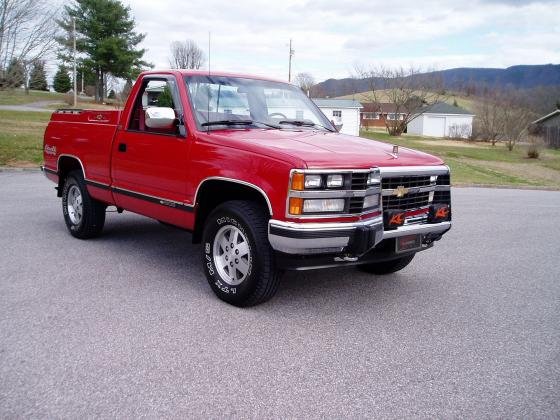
column 122, row 147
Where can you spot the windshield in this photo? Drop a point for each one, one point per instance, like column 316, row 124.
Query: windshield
column 222, row 102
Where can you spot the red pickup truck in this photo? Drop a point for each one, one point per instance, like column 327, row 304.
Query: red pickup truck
column 255, row 171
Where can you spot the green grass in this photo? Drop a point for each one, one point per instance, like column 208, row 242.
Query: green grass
column 21, row 140
column 19, row 97
column 482, row 163
column 21, row 137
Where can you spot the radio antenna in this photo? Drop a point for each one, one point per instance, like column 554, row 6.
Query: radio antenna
column 208, row 89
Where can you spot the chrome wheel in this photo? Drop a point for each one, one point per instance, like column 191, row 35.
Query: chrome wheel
column 75, row 205
column 232, row 255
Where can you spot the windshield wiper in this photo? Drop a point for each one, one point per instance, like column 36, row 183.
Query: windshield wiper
column 227, row 122
column 238, row 122
column 304, row 123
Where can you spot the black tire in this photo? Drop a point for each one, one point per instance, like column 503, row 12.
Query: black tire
column 92, row 219
column 248, row 221
column 387, row 267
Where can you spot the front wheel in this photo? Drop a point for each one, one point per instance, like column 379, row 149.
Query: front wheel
column 387, row 267
column 238, row 259
column 84, row 216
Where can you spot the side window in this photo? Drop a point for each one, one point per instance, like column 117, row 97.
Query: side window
column 337, row 113
column 161, row 93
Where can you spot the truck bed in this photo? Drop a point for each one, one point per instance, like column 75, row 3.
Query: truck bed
column 84, row 134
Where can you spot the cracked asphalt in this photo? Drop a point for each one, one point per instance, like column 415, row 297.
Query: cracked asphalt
column 126, row 326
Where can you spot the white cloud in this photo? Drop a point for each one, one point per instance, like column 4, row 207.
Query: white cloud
column 331, row 35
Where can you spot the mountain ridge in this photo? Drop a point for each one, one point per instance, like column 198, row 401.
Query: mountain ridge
column 521, row 76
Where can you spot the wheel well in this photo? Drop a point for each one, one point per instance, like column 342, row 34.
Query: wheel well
column 215, row 192
column 66, row 164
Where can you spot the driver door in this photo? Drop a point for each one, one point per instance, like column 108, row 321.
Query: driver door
column 150, row 165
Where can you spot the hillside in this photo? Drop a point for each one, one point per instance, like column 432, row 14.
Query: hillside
column 467, row 102
column 518, row 77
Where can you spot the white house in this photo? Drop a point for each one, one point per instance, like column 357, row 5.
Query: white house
column 345, row 113
column 442, row 120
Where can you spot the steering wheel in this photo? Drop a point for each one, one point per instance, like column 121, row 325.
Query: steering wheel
column 278, row 113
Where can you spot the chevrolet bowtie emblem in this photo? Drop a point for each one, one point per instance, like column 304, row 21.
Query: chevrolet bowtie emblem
column 400, row 191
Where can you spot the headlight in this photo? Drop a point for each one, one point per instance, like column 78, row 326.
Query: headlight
column 312, row 181
column 323, row 206
column 335, row 181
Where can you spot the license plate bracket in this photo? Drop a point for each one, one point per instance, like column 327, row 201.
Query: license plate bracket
column 408, row 243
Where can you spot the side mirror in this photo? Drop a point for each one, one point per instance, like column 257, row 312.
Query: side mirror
column 160, row 117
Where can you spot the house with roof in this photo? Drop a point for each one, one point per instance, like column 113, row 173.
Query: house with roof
column 442, row 120
column 344, row 113
column 548, row 126
column 376, row 115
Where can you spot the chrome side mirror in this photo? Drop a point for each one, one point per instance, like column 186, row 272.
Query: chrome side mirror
column 160, row 117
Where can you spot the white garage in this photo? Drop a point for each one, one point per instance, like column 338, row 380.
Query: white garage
column 344, row 113
column 442, row 120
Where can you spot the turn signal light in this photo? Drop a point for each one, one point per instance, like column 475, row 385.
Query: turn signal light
column 296, row 205
column 298, row 181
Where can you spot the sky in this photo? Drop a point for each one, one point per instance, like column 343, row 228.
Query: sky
column 332, row 37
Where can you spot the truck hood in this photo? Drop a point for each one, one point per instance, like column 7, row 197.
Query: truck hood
column 319, row 149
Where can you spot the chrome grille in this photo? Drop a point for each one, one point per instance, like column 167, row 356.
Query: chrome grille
column 405, row 181
column 408, row 202
column 411, row 200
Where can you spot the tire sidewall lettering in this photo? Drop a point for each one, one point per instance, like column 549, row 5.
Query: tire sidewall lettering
column 218, row 283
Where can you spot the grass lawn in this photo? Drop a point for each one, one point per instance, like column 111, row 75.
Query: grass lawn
column 21, row 138
column 480, row 163
column 18, row 96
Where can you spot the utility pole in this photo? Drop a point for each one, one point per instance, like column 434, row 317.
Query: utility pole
column 75, row 78
column 290, row 62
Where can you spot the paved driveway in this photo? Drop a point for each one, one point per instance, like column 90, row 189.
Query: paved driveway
column 126, row 326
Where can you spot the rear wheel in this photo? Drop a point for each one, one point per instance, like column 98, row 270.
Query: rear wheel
column 84, row 216
column 238, row 259
column 387, row 267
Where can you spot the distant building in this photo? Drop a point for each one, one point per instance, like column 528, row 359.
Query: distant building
column 442, row 120
column 548, row 127
column 344, row 113
column 376, row 115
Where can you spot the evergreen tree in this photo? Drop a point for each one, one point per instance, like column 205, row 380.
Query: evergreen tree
column 38, row 77
column 62, row 82
column 15, row 74
column 105, row 38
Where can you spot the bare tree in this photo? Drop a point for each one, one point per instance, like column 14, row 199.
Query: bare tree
column 404, row 93
column 305, row 81
column 489, row 117
column 27, row 33
column 516, row 119
column 186, row 55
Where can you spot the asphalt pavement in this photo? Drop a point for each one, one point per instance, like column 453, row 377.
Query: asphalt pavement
column 126, row 326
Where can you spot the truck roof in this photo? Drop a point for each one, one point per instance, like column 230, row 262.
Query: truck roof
column 188, row 72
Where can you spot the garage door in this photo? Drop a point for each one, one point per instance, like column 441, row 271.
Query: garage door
column 434, row 126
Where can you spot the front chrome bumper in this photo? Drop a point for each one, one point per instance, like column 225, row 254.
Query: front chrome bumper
column 322, row 238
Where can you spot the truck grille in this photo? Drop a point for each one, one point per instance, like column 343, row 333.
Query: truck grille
column 414, row 200
column 410, row 201
column 405, row 181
